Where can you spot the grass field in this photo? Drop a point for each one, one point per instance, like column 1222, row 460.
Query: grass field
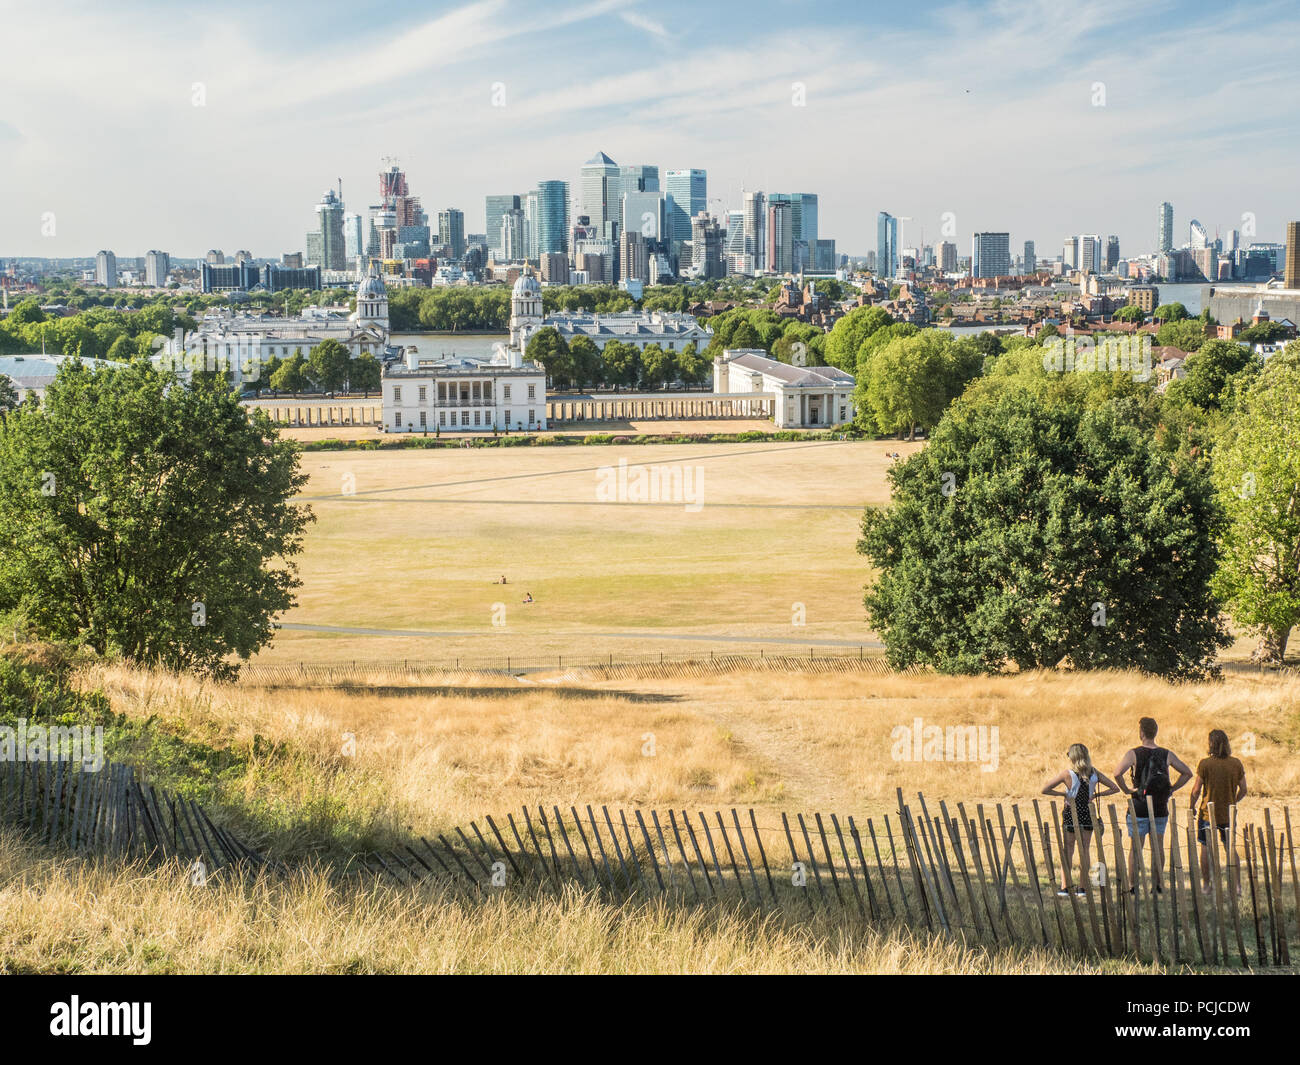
column 427, row 533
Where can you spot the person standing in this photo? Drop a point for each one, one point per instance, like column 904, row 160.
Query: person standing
column 1083, row 785
column 1149, row 765
column 1221, row 780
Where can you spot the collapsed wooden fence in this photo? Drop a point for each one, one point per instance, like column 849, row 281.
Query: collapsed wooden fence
column 110, row 811
column 985, row 875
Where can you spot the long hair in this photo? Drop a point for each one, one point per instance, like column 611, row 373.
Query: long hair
column 1219, row 745
column 1080, row 760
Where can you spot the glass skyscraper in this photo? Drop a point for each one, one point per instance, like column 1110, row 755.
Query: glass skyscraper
column 886, row 244
column 688, row 192
column 551, row 224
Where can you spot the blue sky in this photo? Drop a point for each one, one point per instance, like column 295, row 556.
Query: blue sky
column 985, row 112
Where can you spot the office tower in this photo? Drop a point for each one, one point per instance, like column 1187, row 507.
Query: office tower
column 824, row 256
column 327, row 250
column 353, row 237
column 451, row 231
column 1291, row 268
column 215, row 257
column 755, row 211
column 780, row 237
column 550, row 205
column 292, row 260
column 1031, row 259
column 157, row 265
column 886, row 244
column 1070, row 253
column 947, row 257
column 643, row 213
column 990, row 255
column 1112, row 253
column 555, row 267
column 106, row 269
column 1165, row 237
column 633, row 256
column 735, row 233
column 638, row 179
column 688, row 192
column 707, row 246
column 600, row 189
column 496, row 209
column 243, row 256
column 510, row 243
column 803, row 213
column 1197, row 235
column 1088, row 253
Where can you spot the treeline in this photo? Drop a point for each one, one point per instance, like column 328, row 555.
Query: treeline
column 580, row 363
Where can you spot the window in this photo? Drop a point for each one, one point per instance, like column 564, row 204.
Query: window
column 442, row 391
column 464, row 417
column 397, row 393
column 474, row 392
column 843, row 418
column 531, row 419
column 442, row 417
column 397, row 420
column 507, row 419
column 476, row 417
column 532, row 394
column 422, row 422
column 505, row 393
column 423, row 393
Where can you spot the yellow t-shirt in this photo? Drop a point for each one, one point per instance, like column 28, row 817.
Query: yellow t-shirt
column 1219, row 779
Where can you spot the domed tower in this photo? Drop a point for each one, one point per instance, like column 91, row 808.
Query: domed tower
column 372, row 302
column 525, row 311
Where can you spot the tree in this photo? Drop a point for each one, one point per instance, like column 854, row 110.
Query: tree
column 1130, row 313
column 366, row 374
column 848, row 334
column 8, row 395
column 1212, row 373
column 1264, row 333
column 622, row 363
column 1039, row 527
column 291, row 376
column 550, row 351
column 1257, row 472
column 693, row 365
column 149, row 519
column 1170, row 312
column 328, row 365
column 1185, row 334
column 588, row 367
column 658, row 367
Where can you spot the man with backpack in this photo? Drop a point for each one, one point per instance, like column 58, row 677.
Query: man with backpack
column 1150, row 766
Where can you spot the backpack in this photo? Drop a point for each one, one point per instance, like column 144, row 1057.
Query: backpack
column 1154, row 780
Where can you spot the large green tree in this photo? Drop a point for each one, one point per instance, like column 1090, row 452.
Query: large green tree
column 148, row 518
column 1041, row 526
column 1257, row 471
column 328, row 365
column 550, row 351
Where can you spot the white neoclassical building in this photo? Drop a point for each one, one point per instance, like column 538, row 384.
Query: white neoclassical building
column 671, row 330
column 806, row 397
column 468, row 394
column 242, row 343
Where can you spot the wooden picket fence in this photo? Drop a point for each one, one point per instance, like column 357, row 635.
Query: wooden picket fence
column 110, row 811
column 984, row 875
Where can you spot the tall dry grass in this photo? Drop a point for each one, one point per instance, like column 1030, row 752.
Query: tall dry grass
column 431, row 757
column 65, row 915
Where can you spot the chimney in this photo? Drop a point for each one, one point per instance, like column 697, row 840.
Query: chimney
column 412, row 359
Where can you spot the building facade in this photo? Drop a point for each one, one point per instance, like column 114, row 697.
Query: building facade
column 807, row 397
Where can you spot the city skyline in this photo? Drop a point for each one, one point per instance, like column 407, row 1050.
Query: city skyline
column 473, row 100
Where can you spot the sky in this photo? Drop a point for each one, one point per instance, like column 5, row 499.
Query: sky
column 146, row 124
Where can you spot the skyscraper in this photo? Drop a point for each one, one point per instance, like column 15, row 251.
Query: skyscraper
column 755, row 210
column 990, row 255
column 1089, row 255
column 803, row 213
column 780, row 237
column 1112, row 252
column 947, row 257
column 638, row 179
column 706, row 246
column 509, row 243
column 735, row 233
column 688, row 192
column 353, row 237
column 643, row 213
column 451, row 231
column 496, row 209
column 633, row 256
column 327, row 250
column 1070, row 253
column 1291, row 266
column 1031, row 258
column 106, row 269
column 1165, row 237
column 601, row 190
column 550, row 218
column 157, row 265
column 886, row 245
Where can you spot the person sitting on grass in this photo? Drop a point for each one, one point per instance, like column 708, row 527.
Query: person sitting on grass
column 1150, row 790
column 528, row 597
column 1221, row 780
column 1082, row 785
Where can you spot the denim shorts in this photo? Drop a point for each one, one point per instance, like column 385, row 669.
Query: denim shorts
column 1203, row 833
column 1143, row 828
